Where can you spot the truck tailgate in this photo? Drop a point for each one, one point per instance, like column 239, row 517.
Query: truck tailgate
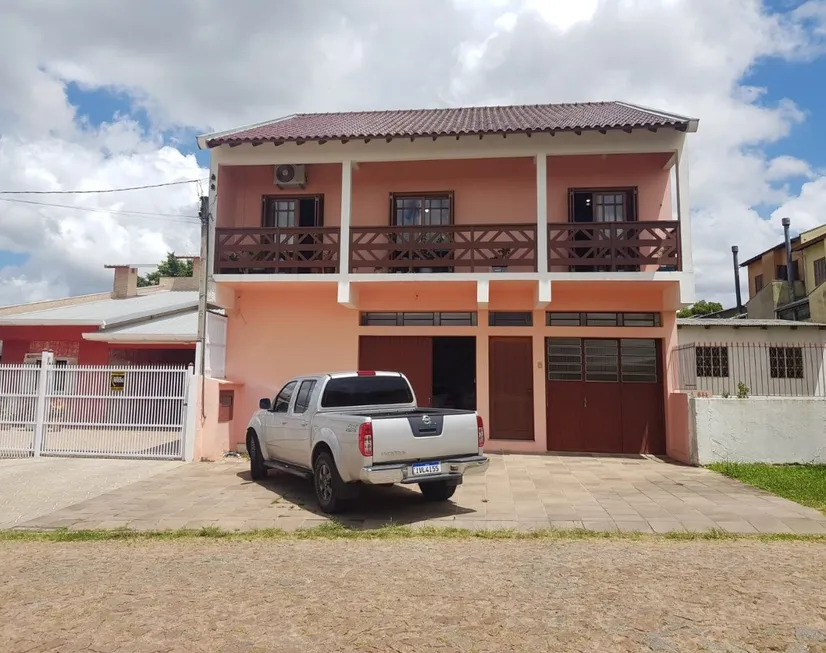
column 423, row 435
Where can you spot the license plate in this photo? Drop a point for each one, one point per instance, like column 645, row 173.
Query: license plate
column 422, row 469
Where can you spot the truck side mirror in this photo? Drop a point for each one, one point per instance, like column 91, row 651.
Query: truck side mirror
column 264, row 404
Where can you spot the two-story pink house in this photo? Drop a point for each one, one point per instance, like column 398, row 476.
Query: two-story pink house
column 525, row 261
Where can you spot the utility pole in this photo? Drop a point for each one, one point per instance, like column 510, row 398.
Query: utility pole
column 203, row 214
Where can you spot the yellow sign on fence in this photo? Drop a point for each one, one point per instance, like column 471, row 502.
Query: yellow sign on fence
column 116, row 381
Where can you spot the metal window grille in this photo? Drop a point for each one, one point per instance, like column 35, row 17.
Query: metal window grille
column 750, row 368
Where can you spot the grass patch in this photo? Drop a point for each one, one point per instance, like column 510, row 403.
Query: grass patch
column 805, row 484
column 338, row 531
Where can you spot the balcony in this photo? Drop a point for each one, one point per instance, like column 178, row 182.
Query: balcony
column 614, row 246
column 572, row 247
column 293, row 250
column 443, row 248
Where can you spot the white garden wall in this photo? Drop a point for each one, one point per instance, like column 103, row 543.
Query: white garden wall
column 757, row 430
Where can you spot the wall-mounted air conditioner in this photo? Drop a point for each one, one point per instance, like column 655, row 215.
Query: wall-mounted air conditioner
column 290, row 176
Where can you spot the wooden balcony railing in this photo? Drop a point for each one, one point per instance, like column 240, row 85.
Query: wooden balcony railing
column 614, row 246
column 443, row 248
column 278, row 250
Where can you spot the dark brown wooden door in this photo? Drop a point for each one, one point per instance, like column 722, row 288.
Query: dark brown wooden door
column 511, row 388
column 410, row 355
column 643, row 398
column 605, row 395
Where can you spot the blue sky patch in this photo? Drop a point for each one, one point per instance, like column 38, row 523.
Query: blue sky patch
column 12, row 259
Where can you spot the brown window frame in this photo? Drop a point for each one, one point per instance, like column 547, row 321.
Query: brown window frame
column 631, row 193
column 449, row 194
column 758, row 283
column 319, row 208
column 780, row 272
column 819, row 268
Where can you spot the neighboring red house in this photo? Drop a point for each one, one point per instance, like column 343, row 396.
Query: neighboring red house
column 129, row 326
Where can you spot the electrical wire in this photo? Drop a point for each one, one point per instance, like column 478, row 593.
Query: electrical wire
column 89, row 192
column 170, row 217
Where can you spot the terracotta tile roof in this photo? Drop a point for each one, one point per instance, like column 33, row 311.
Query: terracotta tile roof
column 407, row 123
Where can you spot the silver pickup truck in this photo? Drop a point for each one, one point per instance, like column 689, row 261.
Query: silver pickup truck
column 353, row 428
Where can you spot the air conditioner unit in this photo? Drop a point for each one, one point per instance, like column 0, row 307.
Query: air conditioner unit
column 290, row 176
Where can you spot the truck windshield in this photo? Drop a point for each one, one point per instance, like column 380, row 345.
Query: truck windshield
column 366, row 391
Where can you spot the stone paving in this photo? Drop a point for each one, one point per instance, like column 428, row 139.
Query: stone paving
column 31, row 487
column 603, row 493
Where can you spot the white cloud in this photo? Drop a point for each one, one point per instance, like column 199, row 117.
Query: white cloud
column 210, row 64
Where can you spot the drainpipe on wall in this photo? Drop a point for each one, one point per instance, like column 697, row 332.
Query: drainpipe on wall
column 789, row 268
column 734, row 250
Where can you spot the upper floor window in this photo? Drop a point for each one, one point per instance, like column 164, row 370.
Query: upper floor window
column 421, row 209
column 285, row 212
column 602, row 205
column 820, row 271
column 758, row 283
column 782, row 274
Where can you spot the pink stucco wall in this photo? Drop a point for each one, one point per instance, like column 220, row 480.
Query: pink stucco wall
column 277, row 331
column 645, row 171
column 485, row 190
column 241, row 189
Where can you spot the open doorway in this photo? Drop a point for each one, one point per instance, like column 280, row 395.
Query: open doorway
column 454, row 372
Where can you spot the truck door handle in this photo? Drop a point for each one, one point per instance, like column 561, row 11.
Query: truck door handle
column 304, row 423
column 283, row 422
column 585, row 402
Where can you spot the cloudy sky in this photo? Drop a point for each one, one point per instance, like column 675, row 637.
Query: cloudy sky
column 99, row 94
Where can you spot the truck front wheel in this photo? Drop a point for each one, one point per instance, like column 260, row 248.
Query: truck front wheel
column 437, row 490
column 329, row 488
column 258, row 470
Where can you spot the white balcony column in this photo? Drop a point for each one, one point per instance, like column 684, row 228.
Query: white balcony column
column 683, row 206
column 212, row 215
column 542, row 212
column 344, row 234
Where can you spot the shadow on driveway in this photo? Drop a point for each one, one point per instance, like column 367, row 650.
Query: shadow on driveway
column 374, row 508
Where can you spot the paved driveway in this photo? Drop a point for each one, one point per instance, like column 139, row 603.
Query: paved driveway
column 526, row 492
column 33, row 487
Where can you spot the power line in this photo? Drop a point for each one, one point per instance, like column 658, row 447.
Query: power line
column 170, row 217
column 107, row 190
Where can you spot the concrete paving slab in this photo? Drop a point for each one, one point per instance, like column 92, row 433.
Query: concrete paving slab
column 595, row 492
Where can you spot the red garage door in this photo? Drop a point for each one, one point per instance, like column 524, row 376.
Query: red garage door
column 410, row 355
column 605, row 395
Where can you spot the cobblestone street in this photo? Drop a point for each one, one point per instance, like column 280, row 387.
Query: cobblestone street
column 412, row 596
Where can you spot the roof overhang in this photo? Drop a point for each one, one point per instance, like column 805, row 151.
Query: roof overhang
column 137, row 316
column 137, row 339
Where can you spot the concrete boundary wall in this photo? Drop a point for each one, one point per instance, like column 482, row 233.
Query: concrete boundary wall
column 757, row 430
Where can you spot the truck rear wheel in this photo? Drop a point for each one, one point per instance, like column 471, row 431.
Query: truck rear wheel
column 437, row 490
column 329, row 487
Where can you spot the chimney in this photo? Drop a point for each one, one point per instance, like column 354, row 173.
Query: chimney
column 126, row 281
column 734, row 250
column 789, row 267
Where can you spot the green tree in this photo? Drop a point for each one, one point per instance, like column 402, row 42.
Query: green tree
column 700, row 308
column 170, row 267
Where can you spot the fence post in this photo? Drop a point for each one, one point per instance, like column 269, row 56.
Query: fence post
column 46, row 364
column 190, row 418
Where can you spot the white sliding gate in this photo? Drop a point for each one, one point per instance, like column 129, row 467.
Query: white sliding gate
column 90, row 410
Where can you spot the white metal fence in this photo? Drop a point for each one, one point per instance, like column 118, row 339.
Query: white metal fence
column 96, row 411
